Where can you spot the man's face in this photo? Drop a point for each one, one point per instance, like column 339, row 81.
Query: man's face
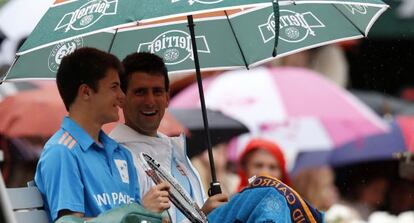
column 145, row 102
column 108, row 97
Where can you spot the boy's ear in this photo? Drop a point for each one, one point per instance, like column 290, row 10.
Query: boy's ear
column 84, row 91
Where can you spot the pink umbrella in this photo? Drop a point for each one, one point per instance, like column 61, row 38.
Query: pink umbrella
column 296, row 107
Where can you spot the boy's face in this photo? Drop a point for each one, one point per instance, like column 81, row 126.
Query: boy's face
column 145, row 102
column 107, row 98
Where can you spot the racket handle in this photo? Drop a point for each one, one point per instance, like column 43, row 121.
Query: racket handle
column 214, row 188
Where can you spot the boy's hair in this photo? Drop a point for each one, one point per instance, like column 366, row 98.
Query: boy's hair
column 83, row 66
column 143, row 62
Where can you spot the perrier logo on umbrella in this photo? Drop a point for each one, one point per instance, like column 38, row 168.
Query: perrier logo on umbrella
column 293, row 26
column 87, row 15
column 207, row 2
column 174, row 46
column 60, row 50
column 361, row 9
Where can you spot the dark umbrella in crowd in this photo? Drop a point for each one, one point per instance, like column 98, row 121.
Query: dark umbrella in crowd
column 384, row 104
column 222, row 128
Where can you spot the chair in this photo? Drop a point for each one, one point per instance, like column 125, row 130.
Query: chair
column 6, row 211
column 26, row 204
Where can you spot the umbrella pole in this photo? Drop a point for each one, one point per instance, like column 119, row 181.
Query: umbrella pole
column 214, row 185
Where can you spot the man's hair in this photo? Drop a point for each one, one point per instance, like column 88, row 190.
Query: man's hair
column 83, row 66
column 143, row 62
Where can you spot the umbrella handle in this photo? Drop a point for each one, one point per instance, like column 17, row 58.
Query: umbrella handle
column 214, row 188
column 214, row 185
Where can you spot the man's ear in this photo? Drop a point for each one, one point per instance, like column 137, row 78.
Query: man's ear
column 84, row 91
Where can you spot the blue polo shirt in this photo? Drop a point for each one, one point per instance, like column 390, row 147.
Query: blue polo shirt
column 76, row 173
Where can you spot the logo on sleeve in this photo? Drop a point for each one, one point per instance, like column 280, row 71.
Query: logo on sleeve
column 123, row 170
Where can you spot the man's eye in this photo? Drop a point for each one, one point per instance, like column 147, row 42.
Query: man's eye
column 158, row 92
column 140, row 92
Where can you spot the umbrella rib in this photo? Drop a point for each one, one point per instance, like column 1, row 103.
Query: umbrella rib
column 237, row 40
column 276, row 16
column 350, row 21
column 8, row 71
column 113, row 40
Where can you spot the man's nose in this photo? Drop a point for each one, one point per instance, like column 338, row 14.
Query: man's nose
column 150, row 98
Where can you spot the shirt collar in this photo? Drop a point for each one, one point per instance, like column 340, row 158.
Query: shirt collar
column 83, row 138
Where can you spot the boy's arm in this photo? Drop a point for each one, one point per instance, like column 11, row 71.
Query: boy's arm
column 59, row 180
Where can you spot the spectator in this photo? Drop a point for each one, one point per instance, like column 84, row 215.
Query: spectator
column 262, row 156
column 146, row 86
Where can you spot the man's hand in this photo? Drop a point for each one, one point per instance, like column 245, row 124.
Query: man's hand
column 64, row 212
column 213, row 202
column 156, row 199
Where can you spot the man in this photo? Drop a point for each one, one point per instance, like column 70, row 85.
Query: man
column 146, row 86
column 81, row 170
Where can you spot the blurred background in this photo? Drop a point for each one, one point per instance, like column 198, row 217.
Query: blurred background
column 336, row 123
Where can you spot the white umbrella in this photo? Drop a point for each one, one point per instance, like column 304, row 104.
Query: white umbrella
column 17, row 20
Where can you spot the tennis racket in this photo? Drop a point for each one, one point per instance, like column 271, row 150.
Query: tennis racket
column 177, row 195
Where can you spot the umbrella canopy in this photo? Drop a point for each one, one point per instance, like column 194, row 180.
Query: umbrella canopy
column 296, row 107
column 222, row 128
column 32, row 113
column 225, row 39
column 67, row 19
column 379, row 147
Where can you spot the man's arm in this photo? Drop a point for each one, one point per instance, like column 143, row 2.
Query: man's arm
column 69, row 212
column 214, row 202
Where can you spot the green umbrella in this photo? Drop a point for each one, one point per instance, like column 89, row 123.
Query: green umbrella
column 67, row 19
column 231, row 39
column 244, row 39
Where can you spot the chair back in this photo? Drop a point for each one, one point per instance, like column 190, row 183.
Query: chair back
column 27, row 205
column 6, row 210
